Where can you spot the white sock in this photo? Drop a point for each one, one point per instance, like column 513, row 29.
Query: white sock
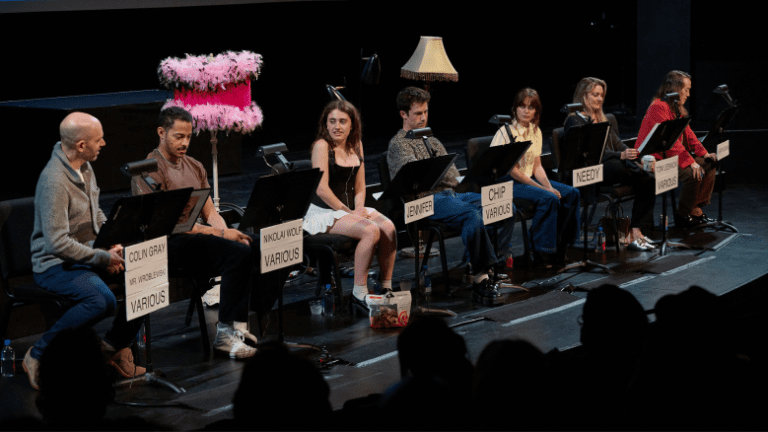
column 481, row 277
column 360, row 291
column 386, row 285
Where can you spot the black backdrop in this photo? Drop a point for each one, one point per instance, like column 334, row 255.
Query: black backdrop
column 497, row 48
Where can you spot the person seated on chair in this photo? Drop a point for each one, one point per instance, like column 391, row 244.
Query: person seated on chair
column 338, row 206
column 556, row 221
column 619, row 161
column 696, row 167
column 67, row 221
column 459, row 210
column 206, row 250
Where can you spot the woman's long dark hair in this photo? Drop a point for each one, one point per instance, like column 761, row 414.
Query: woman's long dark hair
column 673, row 82
column 520, row 98
column 355, row 134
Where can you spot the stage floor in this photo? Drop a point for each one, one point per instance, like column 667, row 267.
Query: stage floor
column 546, row 315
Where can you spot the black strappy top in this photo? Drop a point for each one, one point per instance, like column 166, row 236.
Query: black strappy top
column 341, row 181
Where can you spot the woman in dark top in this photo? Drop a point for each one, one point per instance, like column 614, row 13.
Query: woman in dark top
column 619, row 161
column 339, row 204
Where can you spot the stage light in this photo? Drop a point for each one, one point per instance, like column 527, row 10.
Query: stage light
column 419, row 133
column 723, row 90
column 275, row 149
column 140, row 170
column 333, row 92
column 572, row 108
column 371, row 70
column 500, row 120
column 671, row 97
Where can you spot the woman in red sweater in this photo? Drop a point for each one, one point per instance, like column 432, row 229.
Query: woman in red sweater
column 696, row 168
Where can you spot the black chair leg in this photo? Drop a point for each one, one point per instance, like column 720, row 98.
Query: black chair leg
column 203, row 325
column 526, row 240
column 190, row 311
column 6, row 318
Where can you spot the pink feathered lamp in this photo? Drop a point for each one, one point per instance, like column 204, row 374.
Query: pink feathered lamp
column 217, row 92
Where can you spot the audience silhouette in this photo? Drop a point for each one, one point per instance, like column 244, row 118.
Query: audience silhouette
column 683, row 371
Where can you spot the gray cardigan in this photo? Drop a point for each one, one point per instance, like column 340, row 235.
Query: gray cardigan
column 67, row 216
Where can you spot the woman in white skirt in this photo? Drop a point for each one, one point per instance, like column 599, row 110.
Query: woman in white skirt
column 339, row 204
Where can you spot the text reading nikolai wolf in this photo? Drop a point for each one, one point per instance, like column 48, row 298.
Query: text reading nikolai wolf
column 282, row 245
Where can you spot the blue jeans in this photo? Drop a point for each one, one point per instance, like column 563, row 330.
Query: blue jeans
column 94, row 301
column 464, row 211
column 556, row 221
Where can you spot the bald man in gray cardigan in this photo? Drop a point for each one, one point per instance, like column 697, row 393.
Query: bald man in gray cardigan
column 67, row 220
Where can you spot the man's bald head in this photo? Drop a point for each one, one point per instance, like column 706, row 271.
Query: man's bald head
column 75, row 127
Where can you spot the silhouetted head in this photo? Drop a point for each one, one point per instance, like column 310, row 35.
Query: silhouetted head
column 612, row 320
column 75, row 385
column 282, row 390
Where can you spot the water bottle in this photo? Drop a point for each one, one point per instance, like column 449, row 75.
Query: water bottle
column 600, row 241
column 425, row 282
column 328, row 300
column 9, row 360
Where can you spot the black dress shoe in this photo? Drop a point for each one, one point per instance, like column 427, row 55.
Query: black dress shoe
column 685, row 221
column 703, row 219
column 356, row 304
column 486, row 293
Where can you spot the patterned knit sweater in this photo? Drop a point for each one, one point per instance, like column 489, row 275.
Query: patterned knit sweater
column 403, row 150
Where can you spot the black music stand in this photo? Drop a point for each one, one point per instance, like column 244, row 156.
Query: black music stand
column 583, row 147
column 486, row 170
column 413, row 178
column 275, row 199
column 710, row 142
column 662, row 137
column 136, row 219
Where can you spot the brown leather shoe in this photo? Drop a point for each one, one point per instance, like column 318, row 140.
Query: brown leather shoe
column 123, row 362
column 30, row 365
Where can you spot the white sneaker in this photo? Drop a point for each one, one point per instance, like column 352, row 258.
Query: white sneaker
column 232, row 341
column 250, row 339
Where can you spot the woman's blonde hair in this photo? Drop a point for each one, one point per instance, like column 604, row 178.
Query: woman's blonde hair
column 583, row 88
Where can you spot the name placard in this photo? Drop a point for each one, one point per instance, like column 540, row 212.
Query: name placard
column 496, row 193
column 497, row 202
column 587, row 176
column 666, row 175
column 723, row 149
column 419, row 209
column 146, row 277
column 282, row 245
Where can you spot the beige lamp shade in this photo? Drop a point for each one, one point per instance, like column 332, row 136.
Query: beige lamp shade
column 429, row 62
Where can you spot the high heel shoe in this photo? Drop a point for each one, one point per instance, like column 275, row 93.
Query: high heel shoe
column 356, row 304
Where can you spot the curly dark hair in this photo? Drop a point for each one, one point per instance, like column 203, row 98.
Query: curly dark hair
column 674, row 81
column 409, row 96
column 355, row 132
column 169, row 116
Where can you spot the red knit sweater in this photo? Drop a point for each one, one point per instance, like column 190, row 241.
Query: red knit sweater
column 660, row 112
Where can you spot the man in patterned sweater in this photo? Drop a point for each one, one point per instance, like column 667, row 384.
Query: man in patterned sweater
column 458, row 210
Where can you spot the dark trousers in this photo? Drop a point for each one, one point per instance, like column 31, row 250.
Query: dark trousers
column 695, row 193
column 206, row 256
column 464, row 211
column 94, row 301
column 643, row 184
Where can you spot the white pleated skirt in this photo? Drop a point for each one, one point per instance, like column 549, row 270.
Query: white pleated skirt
column 319, row 220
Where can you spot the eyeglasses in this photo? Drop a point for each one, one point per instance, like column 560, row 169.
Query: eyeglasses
column 526, row 108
